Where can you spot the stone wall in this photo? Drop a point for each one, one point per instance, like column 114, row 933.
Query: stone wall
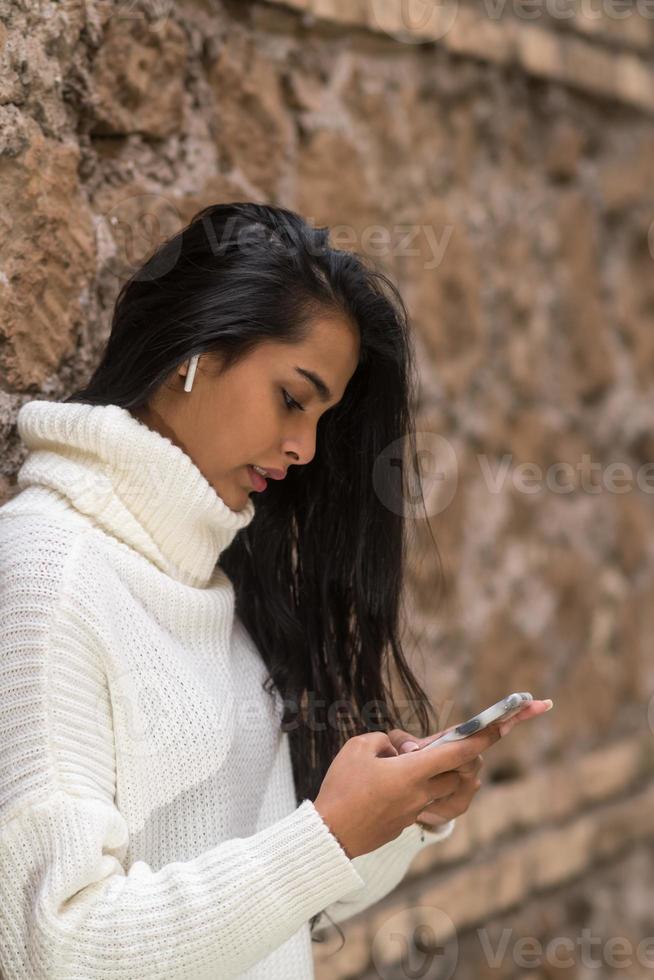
column 497, row 161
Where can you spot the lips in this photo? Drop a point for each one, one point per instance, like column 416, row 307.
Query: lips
column 274, row 474
column 258, row 482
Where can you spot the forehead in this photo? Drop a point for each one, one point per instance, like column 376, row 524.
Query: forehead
column 331, row 346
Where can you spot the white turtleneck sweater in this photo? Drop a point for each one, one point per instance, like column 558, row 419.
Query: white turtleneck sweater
column 148, row 820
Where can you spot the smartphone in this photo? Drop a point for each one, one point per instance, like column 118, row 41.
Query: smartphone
column 499, row 711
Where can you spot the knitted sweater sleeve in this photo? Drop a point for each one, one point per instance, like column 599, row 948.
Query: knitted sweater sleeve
column 381, row 871
column 71, row 905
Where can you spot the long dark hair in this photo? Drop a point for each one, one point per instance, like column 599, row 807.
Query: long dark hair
column 318, row 574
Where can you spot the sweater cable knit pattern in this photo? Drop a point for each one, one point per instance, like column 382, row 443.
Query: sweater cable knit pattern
column 148, row 820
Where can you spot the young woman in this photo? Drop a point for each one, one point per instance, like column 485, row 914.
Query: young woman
column 200, row 584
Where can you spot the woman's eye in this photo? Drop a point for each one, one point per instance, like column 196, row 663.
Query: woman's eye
column 290, row 402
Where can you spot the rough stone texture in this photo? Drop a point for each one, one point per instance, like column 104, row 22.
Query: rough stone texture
column 599, row 925
column 46, row 261
column 501, row 172
column 138, row 79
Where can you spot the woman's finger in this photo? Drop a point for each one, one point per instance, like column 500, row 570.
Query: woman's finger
column 532, row 710
column 444, row 784
column 453, row 805
column 471, row 768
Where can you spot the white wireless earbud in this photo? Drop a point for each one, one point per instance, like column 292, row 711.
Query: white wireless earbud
column 190, row 374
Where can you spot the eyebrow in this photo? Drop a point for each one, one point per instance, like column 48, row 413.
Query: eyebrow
column 319, row 384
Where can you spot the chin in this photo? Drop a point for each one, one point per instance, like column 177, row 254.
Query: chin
column 232, row 500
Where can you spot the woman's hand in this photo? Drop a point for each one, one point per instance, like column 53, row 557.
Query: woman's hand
column 455, row 790
column 371, row 791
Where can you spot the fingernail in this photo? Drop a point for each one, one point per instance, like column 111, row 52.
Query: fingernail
column 549, row 703
column 409, row 746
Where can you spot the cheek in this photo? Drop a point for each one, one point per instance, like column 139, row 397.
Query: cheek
column 248, row 425
column 257, row 435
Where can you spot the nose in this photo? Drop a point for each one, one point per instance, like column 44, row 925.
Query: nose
column 301, row 447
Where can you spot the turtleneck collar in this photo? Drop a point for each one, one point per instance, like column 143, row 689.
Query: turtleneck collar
column 132, row 481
